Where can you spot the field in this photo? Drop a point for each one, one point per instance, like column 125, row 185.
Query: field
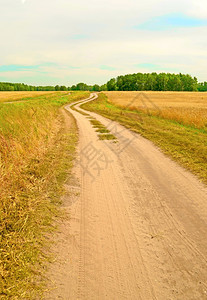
column 177, row 125
column 189, row 108
column 15, row 96
column 37, row 148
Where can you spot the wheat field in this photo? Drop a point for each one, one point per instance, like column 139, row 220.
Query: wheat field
column 14, row 96
column 189, row 108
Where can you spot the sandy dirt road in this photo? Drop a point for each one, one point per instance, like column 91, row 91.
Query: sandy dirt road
column 138, row 223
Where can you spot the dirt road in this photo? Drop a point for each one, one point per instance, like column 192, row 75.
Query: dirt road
column 138, row 225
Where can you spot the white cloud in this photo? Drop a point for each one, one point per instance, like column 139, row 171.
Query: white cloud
column 96, row 33
column 198, row 8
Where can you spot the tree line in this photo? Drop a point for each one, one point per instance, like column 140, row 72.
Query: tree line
column 147, row 82
column 202, row 86
column 7, row 86
column 153, row 82
column 85, row 87
column 129, row 82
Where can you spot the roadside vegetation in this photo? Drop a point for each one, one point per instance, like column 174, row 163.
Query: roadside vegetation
column 37, row 147
column 179, row 137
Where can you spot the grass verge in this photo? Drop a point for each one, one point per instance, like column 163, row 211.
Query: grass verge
column 185, row 144
column 37, row 151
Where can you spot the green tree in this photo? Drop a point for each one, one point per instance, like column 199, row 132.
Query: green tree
column 63, row 88
column 96, row 88
column 111, row 85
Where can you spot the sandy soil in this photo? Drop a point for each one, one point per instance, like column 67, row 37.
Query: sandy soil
column 138, row 223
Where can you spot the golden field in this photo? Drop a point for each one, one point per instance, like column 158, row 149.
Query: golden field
column 14, row 96
column 189, row 108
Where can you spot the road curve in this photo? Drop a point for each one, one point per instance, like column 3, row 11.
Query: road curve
column 138, row 225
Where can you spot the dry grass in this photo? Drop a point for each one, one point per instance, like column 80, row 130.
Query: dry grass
column 15, row 96
column 189, row 108
column 36, row 156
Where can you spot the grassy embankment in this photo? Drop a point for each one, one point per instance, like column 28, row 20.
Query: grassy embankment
column 37, row 148
column 180, row 133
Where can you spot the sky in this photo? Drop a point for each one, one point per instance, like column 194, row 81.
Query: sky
column 49, row 42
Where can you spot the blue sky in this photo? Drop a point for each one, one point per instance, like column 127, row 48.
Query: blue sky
column 171, row 22
column 64, row 42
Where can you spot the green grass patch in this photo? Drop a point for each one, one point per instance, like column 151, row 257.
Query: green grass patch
column 185, row 144
column 99, row 126
column 96, row 123
column 106, row 137
column 105, row 133
column 103, row 130
column 37, row 151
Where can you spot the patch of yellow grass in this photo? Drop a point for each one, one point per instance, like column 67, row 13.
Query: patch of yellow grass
column 37, row 148
column 189, row 108
column 14, row 96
